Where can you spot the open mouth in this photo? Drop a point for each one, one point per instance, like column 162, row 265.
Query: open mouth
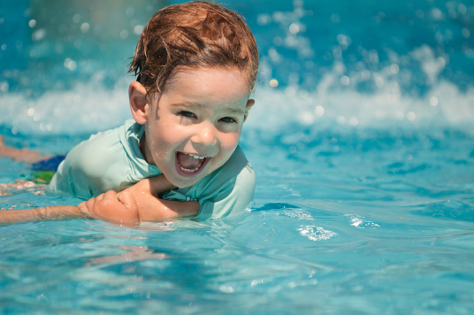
column 189, row 164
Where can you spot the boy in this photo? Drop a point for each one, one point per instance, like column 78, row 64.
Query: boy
column 196, row 65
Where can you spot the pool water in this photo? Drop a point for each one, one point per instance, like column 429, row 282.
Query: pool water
column 362, row 140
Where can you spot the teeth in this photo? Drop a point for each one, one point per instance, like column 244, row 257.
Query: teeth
column 196, row 156
column 188, row 170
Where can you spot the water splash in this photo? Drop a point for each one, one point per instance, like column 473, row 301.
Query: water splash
column 316, row 233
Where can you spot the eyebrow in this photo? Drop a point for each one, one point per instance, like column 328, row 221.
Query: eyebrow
column 235, row 111
column 198, row 106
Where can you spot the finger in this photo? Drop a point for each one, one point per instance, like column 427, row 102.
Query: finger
column 131, row 215
column 111, row 195
column 127, row 199
column 90, row 205
column 99, row 197
column 143, row 185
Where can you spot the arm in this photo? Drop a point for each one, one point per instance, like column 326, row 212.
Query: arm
column 107, row 207
column 139, row 203
column 129, row 207
column 20, row 155
column 43, row 213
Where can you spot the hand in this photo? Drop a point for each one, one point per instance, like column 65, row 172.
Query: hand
column 151, row 208
column 151, row 186
column 145, row 194
column 118, row 208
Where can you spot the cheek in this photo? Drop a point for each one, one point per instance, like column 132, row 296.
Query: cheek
column 158, row 144
column 170, row 135
column 229, row 141
column 163, row 131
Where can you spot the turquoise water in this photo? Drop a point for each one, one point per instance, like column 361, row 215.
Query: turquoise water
column 363, row 150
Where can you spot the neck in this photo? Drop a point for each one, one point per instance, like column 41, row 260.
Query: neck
column 145, row 150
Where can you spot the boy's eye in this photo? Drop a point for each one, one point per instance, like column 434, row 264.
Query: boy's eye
column 186, row 114
column 228, row 120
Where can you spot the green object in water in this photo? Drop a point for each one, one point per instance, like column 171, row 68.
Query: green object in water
column 42, row 177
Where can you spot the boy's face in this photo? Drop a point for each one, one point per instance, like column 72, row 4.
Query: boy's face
column 194, row 126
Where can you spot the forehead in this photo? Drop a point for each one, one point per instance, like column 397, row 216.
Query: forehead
column 212, row 84
column 184, row 73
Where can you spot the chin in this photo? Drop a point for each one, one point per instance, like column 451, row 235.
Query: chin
column 184, row 183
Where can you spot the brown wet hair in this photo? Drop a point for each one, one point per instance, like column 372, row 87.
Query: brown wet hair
column 193, row 35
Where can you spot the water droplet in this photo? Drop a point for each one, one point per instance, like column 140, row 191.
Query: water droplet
column 72, row 65
column 138, row 29
column 294, row 28
column 436, row 14
column 85, row 27
column 76, row 18
column 345, row 80
column 130, row 11
column 335, row 18
column 4, row 86
column 263, row 19
column 466, row 33
column 277, row 41
column 353, row 121
column 394, row 69
column 344, row 40
column 39, row 34
column 319, row 110
column 123, row 34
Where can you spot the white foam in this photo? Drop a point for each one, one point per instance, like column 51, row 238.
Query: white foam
column 86, row 108
column 275, row 109
column 91, row 107
column 336, row 100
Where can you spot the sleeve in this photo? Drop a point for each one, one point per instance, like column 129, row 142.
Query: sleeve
column 87, row 170
column 75, row 175
column 233, row 199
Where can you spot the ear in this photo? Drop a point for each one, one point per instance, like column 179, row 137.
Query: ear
column 249, row 105
column 138, row 102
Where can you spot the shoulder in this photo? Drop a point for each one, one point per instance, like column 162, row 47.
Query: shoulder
column 90, row 167
column 239, row 168
column 97, row 152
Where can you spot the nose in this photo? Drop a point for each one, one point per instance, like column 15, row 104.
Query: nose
column 205, row 137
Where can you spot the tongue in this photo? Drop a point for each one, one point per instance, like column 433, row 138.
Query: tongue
column 187, row 161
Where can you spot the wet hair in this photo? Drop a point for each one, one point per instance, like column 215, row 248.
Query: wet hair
column 193, row 35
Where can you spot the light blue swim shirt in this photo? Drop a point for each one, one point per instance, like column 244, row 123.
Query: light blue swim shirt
column 112, row 160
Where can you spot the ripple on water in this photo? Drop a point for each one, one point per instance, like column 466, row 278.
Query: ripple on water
column 316, row 233
column 359, row 222
column 447, row 210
